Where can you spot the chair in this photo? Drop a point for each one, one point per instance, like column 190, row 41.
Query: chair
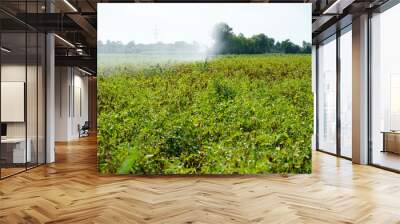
column 84, row 130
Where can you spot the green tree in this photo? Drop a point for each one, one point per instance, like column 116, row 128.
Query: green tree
column 227, row 42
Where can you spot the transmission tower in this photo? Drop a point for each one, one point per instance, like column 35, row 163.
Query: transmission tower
column 156, row 34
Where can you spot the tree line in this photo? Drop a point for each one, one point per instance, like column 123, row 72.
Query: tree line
column 155, row 48
column 225, row 42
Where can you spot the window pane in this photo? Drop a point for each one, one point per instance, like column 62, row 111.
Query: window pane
column 386, row 89
column 327, row 96
column 346, row 93
column 31, row 97
column 14, row 150
column 41, row 99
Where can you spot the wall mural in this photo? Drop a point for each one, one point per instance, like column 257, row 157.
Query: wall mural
column 204, row 88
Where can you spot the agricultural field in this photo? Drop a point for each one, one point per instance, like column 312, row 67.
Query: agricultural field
column 239, row 114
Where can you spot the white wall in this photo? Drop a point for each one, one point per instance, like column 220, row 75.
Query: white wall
column 62, row 82
column 80, row 89
column 12, row 73
column 70, row 83
column 33, row 126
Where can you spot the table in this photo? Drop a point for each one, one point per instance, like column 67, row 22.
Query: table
column 13, row 150
column 391, row 141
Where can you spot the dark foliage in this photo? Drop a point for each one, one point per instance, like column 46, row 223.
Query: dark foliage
column 227, row 42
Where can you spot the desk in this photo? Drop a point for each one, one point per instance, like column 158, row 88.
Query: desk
column 13, row 150
column 391, row 141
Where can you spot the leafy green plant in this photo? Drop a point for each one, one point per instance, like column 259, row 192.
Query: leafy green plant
column 232, row 114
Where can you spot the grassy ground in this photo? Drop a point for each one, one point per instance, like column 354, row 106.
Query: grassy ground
column 232, row 114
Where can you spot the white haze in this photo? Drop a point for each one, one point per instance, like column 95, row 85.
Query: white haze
column 148, row 23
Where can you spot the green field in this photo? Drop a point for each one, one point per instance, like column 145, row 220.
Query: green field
column 232, row 114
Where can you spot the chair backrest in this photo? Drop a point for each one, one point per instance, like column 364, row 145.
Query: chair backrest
column 86, row 125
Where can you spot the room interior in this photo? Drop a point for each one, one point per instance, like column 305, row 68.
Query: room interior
column 22, row 102
column 385, row 90
column 356, row 140
column 340, row 53
column 74, row 64
column 27, row 139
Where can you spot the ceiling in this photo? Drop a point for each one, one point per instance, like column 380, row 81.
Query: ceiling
column 75, row 21
column 331, row 15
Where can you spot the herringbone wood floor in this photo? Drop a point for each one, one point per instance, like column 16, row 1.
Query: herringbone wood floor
column 71, row 191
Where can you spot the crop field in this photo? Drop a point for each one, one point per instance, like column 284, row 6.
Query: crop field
column 242, row 114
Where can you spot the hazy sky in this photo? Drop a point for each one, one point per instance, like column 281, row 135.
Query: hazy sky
column 152, row 22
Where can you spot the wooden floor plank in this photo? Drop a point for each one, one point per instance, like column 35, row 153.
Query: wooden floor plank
column 71, row 191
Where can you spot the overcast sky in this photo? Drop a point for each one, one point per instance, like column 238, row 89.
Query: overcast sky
column 153, row 22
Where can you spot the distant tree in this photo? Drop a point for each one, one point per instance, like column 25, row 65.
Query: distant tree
column 306, row 48
column 223, row 37
column 130, row 47
column 111, row 47
column 100, row 46
column 288, row 47
column 227, row 42
column 222, row 31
